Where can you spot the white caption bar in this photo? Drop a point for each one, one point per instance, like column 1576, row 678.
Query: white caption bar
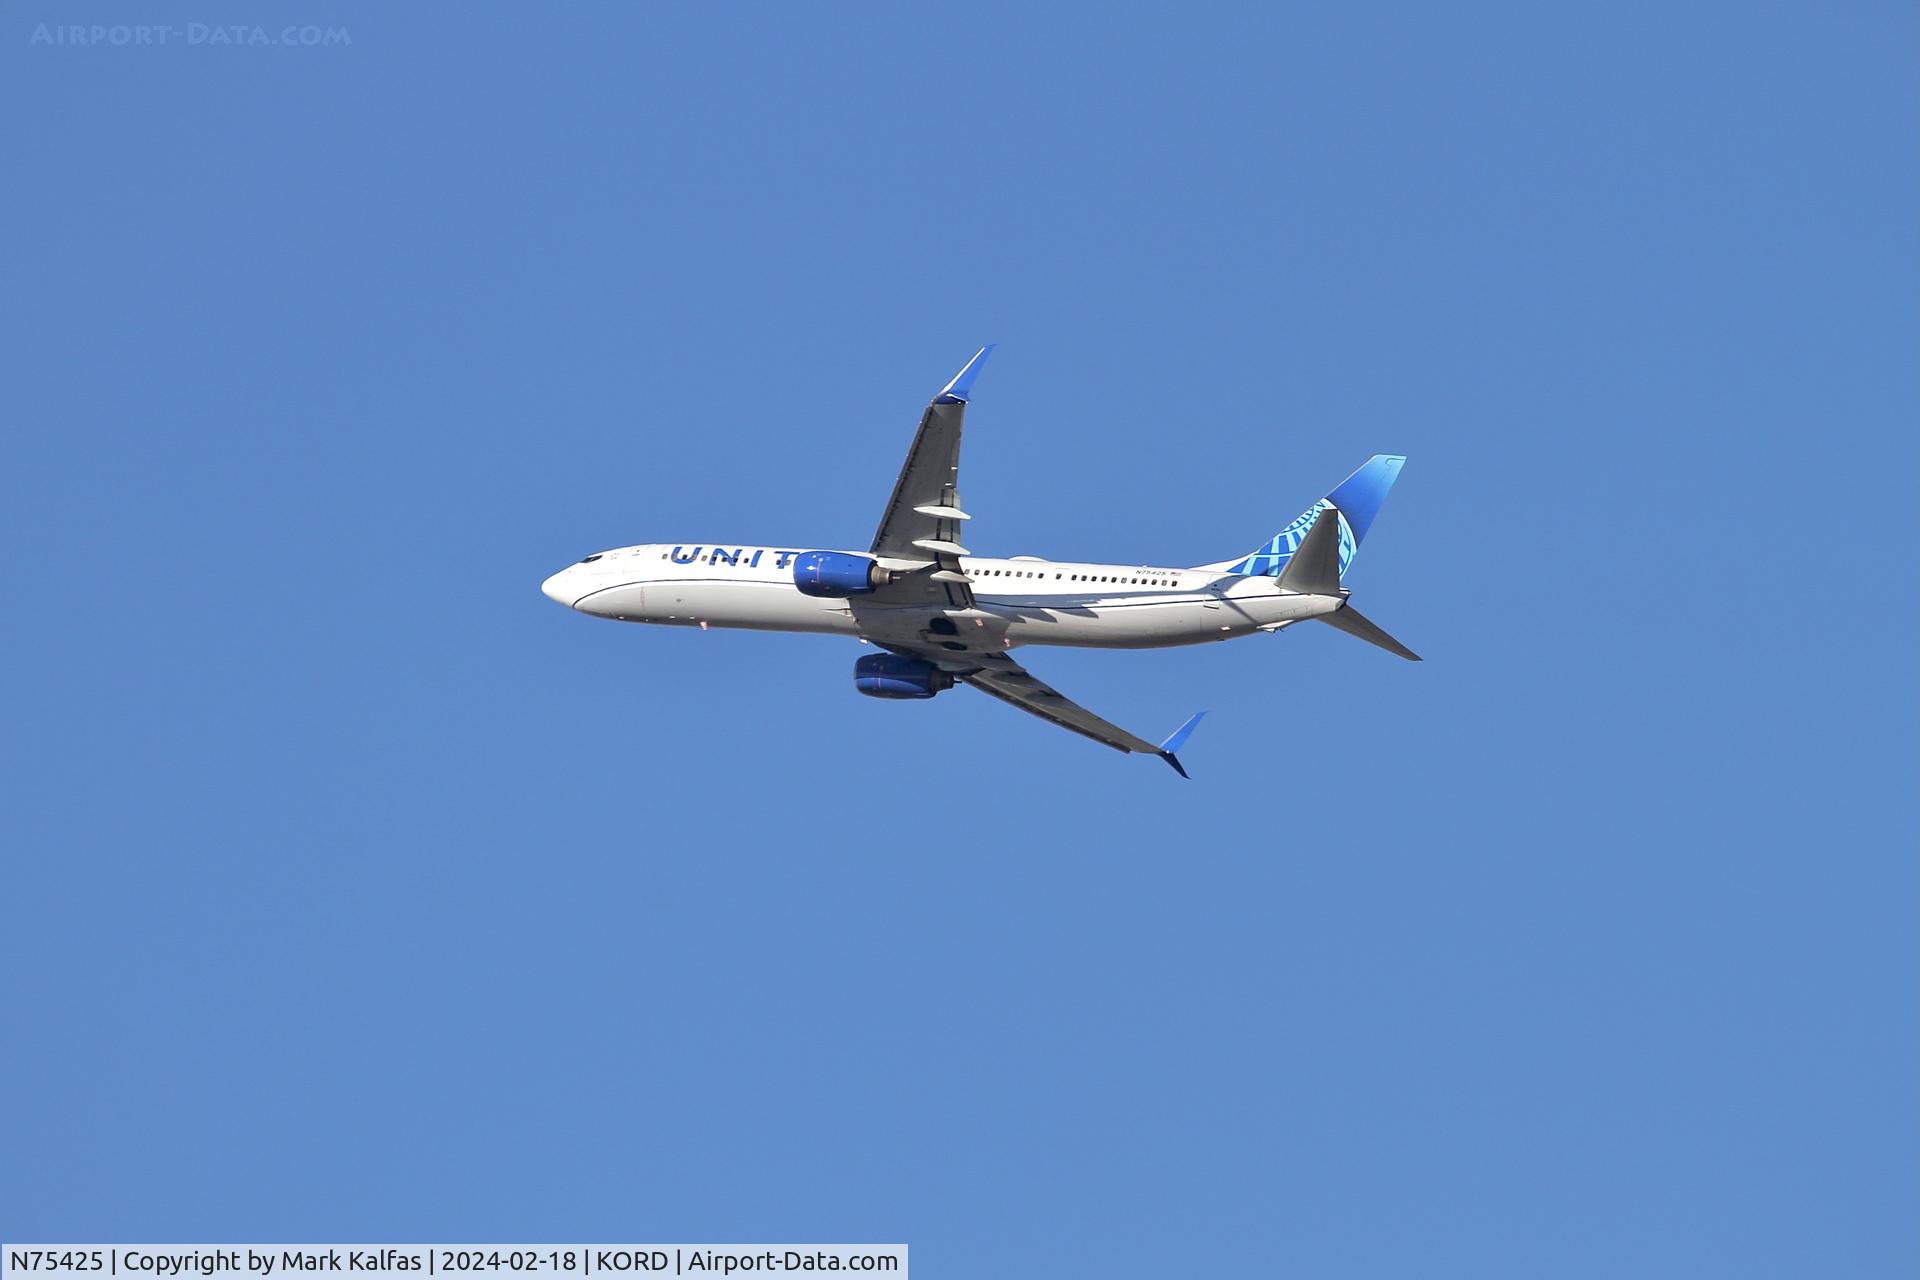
column 556, row 1261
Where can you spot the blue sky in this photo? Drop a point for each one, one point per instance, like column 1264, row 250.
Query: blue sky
column 357, row 892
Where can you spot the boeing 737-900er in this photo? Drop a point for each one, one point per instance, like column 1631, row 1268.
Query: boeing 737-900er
column 941, row 614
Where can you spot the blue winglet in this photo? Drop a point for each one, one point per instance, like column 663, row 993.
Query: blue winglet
column 960, row 390
column 1177, row 740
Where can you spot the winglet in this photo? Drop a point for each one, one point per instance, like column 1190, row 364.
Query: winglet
column 1177, row 740
column 960, row 390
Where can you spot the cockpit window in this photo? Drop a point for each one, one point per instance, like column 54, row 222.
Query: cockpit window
column 591, row 559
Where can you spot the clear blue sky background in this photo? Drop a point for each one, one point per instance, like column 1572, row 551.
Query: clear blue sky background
column 356, row 891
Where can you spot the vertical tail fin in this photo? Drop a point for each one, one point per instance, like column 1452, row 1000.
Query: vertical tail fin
column 1358, row 499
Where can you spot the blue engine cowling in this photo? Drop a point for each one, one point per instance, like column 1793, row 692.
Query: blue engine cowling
column 835, row 574
column 888, row 675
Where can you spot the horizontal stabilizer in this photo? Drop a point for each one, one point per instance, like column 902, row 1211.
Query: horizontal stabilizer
column 1355, row 623
column 1314, row 569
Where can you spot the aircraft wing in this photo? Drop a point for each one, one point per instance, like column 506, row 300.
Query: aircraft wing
column 923, row 517
column 1000, row 676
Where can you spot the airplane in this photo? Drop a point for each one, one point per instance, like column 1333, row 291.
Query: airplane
column 943, row 616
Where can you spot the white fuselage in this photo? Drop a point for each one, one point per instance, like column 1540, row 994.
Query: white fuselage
column 1024, row 600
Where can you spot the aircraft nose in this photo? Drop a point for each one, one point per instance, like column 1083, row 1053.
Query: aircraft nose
column 559, row 588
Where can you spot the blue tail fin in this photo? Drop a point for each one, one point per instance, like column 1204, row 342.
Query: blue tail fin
column 1358, row 500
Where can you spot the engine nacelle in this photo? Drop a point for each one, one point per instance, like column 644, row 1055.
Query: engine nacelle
column 889, row 675
column 836, row 575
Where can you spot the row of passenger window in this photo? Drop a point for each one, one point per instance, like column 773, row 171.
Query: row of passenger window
column 1076, row 577
column 1015, row 573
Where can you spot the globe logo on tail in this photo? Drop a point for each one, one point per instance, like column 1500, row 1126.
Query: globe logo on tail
column 1272, row 558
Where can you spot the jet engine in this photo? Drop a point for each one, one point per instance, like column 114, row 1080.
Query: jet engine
column 889, row 675
column 836, row 575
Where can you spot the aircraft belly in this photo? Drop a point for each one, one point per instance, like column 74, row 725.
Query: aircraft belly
column 626, row 602
column 1150, row 625
column 759, row 606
